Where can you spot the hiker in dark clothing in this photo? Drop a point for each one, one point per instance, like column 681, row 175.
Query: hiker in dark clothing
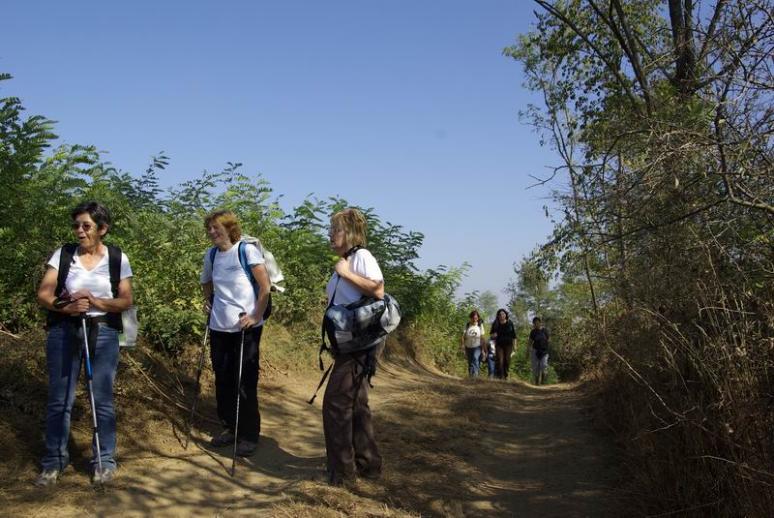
column 504, row 335
column 538, row 351
column 349, row 435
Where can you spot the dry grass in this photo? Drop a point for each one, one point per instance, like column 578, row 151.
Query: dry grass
column 692, row 406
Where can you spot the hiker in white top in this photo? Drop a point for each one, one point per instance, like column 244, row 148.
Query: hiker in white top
column 236, row 303
column 472, row 342
column 78, row 290
column 349, row 435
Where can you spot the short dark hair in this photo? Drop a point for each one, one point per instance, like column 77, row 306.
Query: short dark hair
column 536, row 320
column 98, row 212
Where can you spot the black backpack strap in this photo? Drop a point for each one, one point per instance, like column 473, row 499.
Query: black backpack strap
column 66, row 255
column 319, row 385
column 324, row 346
column 114, row 265
column 368, row 365
column 65, row 260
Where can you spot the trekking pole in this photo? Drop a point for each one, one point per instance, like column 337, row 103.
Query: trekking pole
column 198, row 385
column 90, row 385
column 239, row 388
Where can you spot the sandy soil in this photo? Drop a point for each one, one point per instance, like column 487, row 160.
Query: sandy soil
column 451, row 447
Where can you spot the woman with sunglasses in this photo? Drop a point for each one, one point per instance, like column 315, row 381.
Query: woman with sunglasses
column 85, row 292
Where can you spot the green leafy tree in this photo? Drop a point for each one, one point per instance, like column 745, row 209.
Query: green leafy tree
column 487, row 302
column 660, row 115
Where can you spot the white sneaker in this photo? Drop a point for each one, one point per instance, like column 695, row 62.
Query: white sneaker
column 103, row 477
column 47, row 477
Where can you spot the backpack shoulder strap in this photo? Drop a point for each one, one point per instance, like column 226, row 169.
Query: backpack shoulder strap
column 114, row 265
column 213, row 251
column 243, row 260
column 65, row 260
column 242, row 252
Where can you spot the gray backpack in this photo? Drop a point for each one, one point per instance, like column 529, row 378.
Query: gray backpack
column 360, row 325
column 357, row 327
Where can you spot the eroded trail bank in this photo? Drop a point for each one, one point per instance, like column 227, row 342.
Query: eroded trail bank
column 451, row 448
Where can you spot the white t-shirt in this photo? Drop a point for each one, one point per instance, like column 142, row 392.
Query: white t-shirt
column 232, row 291
column 96, row 280
column 473, row 335
column 362, row 263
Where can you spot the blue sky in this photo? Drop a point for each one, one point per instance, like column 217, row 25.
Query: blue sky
column 407, row 107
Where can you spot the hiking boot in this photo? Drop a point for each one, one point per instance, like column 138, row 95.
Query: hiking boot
column 337, row 479
column 370, row 474
column 103, row 477
column 246, row 448
column 224, row 438
column 47, row 477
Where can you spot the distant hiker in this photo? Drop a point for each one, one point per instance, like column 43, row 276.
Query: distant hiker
column 538, row 351
column 349, row 435
column 236, row 289
column 472, row 342
column 490, row 357
column 505, row 341
column 86, row 285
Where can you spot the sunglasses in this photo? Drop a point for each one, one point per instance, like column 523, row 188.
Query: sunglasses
column 86, row 226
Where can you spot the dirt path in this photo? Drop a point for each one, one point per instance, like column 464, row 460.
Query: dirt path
column 451, row 448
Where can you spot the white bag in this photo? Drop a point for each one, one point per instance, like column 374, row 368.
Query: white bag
column 128, row 337
column 272, row 268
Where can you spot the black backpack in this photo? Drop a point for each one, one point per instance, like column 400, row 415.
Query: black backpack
column 66, row 259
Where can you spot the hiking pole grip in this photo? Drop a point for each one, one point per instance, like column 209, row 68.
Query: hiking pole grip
column 90, row 386
column 238, row 391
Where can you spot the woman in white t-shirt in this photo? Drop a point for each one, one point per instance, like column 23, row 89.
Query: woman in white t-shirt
column 349, row 436
column 78, row 285
column 472, row 342
column 235, row 307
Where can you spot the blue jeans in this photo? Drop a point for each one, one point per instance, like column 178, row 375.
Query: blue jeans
column 64, row 355
column 473, row 355
column 490, row 363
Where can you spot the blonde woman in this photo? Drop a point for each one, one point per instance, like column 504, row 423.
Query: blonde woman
column 349, row 435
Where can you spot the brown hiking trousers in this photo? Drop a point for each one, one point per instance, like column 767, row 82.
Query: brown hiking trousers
column 349, row 434
column 503, row 359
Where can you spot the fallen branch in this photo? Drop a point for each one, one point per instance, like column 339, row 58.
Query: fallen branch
column 5, row 331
